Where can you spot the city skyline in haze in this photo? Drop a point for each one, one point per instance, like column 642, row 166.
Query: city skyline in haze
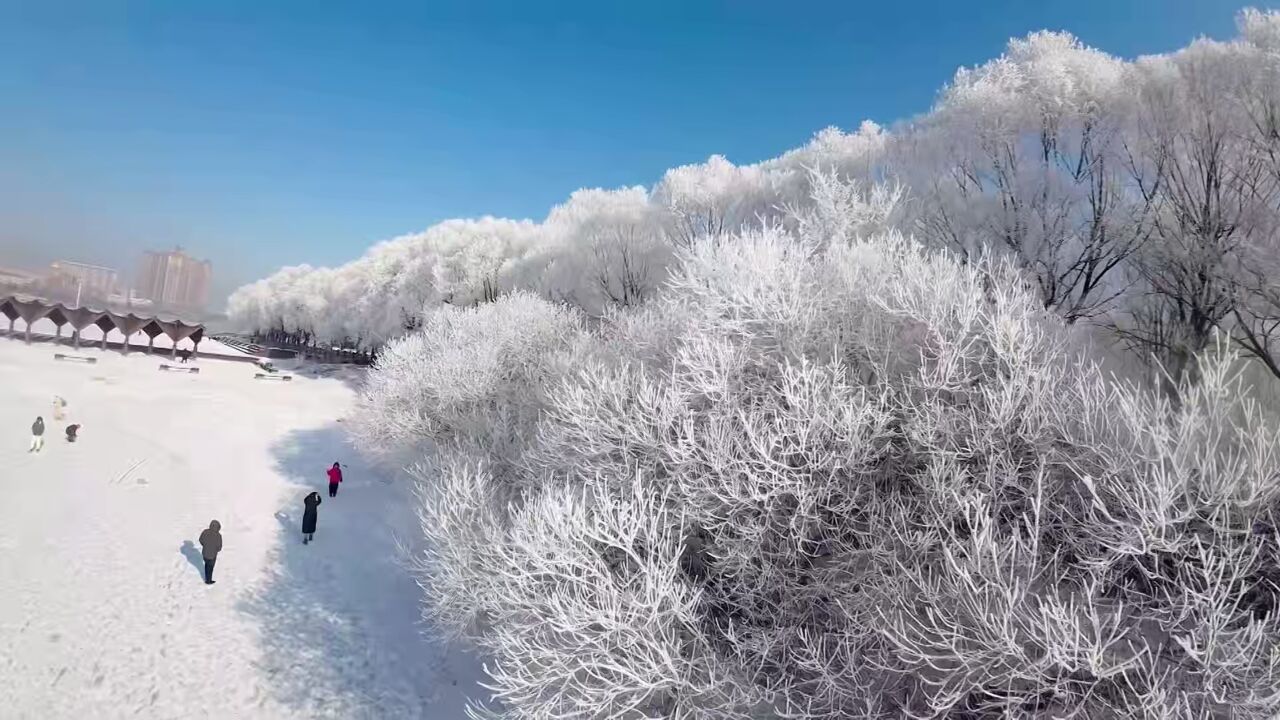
column 169, row 280
column 262, row 136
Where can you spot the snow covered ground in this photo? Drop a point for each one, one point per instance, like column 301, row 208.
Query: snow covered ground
column 103, row 612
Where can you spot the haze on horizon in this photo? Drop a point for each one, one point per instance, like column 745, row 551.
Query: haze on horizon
column 259, row 137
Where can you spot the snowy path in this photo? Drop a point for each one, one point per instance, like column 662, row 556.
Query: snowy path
column 102, row 610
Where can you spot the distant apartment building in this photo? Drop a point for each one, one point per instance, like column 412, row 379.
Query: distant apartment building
column 87, row 281
column 174, row 280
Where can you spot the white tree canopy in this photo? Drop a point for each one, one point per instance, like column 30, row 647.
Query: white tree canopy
column 1112, row 184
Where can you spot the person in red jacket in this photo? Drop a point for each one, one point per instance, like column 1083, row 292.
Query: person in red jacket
column 335, row 477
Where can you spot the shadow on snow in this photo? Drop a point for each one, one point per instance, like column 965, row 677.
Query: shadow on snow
column 339, row 620
column 193, row 556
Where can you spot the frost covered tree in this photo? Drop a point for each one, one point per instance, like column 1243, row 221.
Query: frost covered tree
column 1024, row 154
column 1201, row 160
column 476, row 257
column 1134, row 195
column 858, row 155
column 605, row 248
column 1256, row 310
column 716, row 197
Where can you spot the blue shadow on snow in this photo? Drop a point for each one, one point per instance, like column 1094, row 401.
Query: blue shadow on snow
column 340, row 620
column 193, row 556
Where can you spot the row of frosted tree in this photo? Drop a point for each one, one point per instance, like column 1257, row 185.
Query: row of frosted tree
column 830, row 436
column 1141, row 196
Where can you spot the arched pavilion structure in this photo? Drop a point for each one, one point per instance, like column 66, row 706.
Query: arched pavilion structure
column 31, row 310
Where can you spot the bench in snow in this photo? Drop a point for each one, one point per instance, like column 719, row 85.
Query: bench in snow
column 264, row 376
column 178, row 368
column 76, row 358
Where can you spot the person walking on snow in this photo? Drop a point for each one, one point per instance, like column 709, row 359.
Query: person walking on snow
column 211, row 544
column 37, row 435
column 71, row 432
column 335, row 477
column 310, row 502
column 58, row 405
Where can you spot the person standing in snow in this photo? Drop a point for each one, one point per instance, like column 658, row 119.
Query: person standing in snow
column 58, row 405
column 309, row 515
column 37, row 435
column 335, row 477
column 211, row 545
column 71, row 432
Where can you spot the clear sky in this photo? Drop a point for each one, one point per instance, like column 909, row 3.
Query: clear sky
column 267, row 133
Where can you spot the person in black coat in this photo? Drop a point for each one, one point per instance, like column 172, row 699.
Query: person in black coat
column 211, row 545
column 37, row 435
column 311, row 502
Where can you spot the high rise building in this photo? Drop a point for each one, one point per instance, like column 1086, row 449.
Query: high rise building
column 89, row 281
column 174, row 280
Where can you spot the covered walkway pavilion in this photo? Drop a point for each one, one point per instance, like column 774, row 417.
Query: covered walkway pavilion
column 32, row 310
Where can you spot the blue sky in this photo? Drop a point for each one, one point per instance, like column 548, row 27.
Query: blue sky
column 260, row 134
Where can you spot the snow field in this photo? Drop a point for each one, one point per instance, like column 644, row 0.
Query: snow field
column 103, row 613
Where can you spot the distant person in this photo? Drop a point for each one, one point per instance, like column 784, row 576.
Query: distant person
column 335, row 477
column 37, row 435
column 211, row 544
column 71, row 432
column 58, row 405
column 185, row 355
column 309, row 515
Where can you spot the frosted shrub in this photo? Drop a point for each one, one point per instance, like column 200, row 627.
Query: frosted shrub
column 864, row 480
column 463, row 513
column 470, row 384
column 473, row 376
column 594, row 617
column 840, row 209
